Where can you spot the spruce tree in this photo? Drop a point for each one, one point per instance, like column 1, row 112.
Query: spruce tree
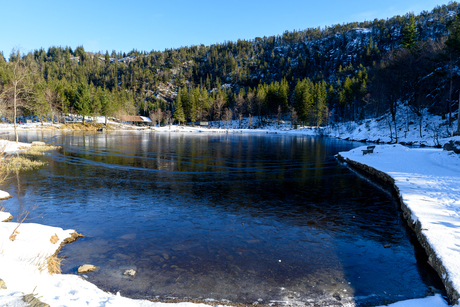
column 82, row 103
column 106, row 104
column 410, row 35
column 453, row 48
column 179, row 111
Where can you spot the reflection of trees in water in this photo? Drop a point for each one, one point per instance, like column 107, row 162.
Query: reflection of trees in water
column 227, row 205
column 292, row 176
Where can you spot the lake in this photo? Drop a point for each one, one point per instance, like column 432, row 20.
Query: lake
column 265, row 218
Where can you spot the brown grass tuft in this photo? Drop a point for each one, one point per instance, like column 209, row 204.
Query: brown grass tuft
column 21, row 163
column 85, row 127
column 38, row 150
column 54, row 264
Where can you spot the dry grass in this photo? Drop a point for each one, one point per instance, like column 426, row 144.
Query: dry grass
column 25, row 160
column 54, row 264
column 38, row 150
column 85, row 127
column 20, row 163
column 3, row 165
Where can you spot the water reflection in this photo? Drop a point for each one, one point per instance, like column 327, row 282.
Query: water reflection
column 228, row 217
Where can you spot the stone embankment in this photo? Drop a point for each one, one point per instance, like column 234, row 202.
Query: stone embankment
column 433, row 258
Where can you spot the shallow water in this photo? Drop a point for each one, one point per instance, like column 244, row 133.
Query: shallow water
column 267, row 218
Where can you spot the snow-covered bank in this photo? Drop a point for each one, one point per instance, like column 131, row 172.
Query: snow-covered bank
column 12, row 147
column 428, row 182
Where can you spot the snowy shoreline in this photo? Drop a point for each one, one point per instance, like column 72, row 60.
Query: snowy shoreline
column 432, row 131
column 22, row 263
column 426, row 181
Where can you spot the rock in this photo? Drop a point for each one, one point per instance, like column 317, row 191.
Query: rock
column 38, row 143
column 2, row 284
column 130, row 272
column 33, row 301
column 452, row 146
column 86, row 268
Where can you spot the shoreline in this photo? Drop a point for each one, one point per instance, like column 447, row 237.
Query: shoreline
column 416, row 226
column 411, row 215
column 367, row 132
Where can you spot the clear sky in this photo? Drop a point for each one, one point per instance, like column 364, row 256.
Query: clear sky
column 155, row 25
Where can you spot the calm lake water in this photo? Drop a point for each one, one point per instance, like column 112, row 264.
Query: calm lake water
column 263, row 218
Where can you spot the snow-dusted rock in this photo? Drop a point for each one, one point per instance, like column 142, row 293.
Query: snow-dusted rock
column 452, row 146
column 5, row 217
column 4, row 195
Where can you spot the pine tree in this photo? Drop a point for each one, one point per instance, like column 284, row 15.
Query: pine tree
column 107, row 58
column 410, row 35
column 106, row 104
column 82, row 103
column 453, row 48
column 179, row 112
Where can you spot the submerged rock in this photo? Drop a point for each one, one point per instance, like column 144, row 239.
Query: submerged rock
column 130, row 272
column 86, row 268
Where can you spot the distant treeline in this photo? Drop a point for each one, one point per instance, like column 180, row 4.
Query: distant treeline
column 343, row 72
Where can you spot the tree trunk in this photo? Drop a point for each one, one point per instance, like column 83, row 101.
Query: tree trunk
column 14, row 106
column 396, row 132
column 458, row 116
column 450, row 93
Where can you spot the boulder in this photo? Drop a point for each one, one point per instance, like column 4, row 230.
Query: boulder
column 452, row 146
column 86, row 268
column 33, row 301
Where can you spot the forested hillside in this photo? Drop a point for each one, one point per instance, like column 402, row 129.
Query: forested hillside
column 316, row 76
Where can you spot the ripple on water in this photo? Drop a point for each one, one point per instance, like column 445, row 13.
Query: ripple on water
column 272, row 219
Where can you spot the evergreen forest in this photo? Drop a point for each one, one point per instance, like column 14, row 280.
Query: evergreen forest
column 345, row 72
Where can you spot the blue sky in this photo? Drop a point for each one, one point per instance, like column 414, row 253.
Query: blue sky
column 156, row 25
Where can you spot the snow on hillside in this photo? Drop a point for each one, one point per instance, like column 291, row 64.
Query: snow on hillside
column 427, row 130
